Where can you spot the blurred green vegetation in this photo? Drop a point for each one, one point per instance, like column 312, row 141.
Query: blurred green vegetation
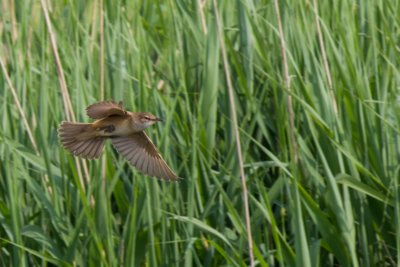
column 337, row 205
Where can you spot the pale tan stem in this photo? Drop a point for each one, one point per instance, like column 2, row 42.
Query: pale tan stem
column 22, row 114
column 294, row 154
column 103, row 160
column 63, row 85
column 236, row 131
column 202, row 4
column 325, row 58
column 19, row 107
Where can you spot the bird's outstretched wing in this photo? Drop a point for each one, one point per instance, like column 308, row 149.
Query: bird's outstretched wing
column 138, row 149
column 104, row 109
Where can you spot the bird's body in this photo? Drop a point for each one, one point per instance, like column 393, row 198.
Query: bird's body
column 114, row 126
column 125, row 129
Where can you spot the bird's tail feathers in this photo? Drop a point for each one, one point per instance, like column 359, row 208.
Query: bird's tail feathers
column 81, row 139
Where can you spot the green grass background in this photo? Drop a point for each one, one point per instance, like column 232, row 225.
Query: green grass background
column 337, row 205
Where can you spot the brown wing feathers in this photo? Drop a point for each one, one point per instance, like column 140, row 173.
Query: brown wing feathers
column 141, row 153
column 104, row 109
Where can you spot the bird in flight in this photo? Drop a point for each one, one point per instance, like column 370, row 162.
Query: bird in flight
column 126, row 131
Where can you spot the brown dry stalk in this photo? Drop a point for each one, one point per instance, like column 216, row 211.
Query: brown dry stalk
column 101, row 50
column 63, row 85
column 325, row 58
column 292, row 139
column 19, row 107
column 22, row 114
column 61, row 78
column 103, row 160
column 236, row 131
column 201, row 4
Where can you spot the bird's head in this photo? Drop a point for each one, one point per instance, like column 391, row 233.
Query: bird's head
column 147, row 119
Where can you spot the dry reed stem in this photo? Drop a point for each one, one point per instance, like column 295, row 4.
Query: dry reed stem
column 325, row 58
column 22, row 114
column 293, row 150
column 103, row 160
column 202, row 4
column 19, row 107
column 236, row 131
column 61, row 78
column 64, row 91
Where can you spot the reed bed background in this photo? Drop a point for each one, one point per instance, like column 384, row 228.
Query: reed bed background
column 281, row 117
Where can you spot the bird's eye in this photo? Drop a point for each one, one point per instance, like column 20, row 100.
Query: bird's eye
column 147, row 118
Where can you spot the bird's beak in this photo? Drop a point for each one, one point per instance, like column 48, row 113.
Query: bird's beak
column 158, row 119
